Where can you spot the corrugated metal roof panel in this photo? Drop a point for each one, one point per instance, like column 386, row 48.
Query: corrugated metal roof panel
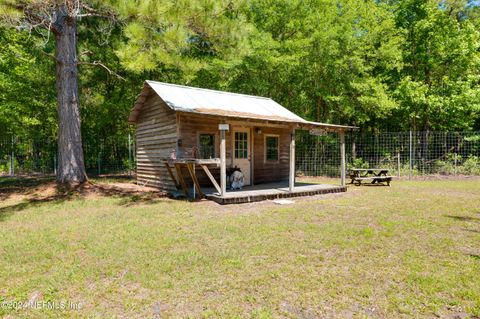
column 190, row 99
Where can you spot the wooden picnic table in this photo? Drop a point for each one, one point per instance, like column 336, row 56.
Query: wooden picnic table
column 375, row 175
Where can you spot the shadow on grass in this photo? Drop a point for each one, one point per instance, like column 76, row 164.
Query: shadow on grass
column 472, row 230
column 31, row 188
column 128, row 196
column 8, row 211
column 24, row 185
column 370, row 185
column 464, row 218
column 474, row 256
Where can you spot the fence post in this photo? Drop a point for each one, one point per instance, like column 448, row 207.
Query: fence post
column 129, row 154
column 354, row 147
column 342, row 158
column 410, row 155
column 98, row 162
column 12, row 158
column 398, row 164
column 455, row 163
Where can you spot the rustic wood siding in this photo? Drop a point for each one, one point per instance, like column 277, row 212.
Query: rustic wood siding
column 159, row 128
column 267, row 171
column 190, row 126
column 156, row 137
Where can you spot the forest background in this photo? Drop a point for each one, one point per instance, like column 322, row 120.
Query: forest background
column 380, row 65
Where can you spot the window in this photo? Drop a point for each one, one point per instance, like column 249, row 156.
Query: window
column 241, row 145
column 271, row 148
column 207, row 146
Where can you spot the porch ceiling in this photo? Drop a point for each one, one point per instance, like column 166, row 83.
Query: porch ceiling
column 252, row 121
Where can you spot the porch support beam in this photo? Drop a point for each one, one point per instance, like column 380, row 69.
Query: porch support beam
column 342, row 158
column 212, row 179
column 223, row 164
column 291, row 178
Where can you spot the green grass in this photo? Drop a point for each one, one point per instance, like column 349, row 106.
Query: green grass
column 410, row 250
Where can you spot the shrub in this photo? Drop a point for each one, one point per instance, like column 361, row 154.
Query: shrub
column 358, row 163
column 471, row 166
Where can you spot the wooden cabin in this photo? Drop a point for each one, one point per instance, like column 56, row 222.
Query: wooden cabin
column 218, row 131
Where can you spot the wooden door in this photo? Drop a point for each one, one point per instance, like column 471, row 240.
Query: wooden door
column 242, row 152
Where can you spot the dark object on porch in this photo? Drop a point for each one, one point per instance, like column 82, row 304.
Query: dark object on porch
column 189, row 136
column 231, row 170
column 236, row 179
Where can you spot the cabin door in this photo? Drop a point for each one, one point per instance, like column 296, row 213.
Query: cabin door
column 242, row 152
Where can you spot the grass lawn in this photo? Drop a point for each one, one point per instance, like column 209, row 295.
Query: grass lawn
column 410, row 250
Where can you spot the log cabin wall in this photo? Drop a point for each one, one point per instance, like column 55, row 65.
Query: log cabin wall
column 189, row 129
column 160, row 130
column 156, row 137
column 271, row 171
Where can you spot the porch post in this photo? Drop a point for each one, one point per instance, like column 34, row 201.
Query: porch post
column 291, row 179
column 223, row 160
column 342, row 158
column 223, row 164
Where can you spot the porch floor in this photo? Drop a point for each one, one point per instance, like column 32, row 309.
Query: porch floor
column 270, row 191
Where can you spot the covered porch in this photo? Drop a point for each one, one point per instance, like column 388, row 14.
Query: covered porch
column 281, row 190
column 218, row 190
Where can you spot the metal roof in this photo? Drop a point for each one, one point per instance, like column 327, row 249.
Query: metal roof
column 218, row 103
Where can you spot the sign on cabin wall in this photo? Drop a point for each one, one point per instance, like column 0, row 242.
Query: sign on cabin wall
column 223, row 127
column 318, row 132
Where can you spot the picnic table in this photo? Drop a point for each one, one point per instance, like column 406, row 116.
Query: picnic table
column 373, row 175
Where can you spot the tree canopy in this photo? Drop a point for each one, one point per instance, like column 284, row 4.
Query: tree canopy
column 181, row 36
column 381, row 65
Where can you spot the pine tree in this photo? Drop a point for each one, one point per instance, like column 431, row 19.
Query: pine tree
column 181, row 34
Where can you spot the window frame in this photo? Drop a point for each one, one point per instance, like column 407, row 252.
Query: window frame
column 246, row 149
column 199, row 134
column 265, row 148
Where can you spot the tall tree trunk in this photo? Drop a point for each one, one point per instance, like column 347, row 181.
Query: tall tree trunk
column 71, row 167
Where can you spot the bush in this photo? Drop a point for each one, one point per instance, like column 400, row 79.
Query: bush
column 444, row 167
column 358, row 163
column 471, row 166
column 5, row 165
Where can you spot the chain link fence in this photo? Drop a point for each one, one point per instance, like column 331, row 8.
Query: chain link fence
column 406, row 154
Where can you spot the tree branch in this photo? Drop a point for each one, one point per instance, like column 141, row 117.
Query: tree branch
column 84, row 15
column 85, row 52
column 98, row 63
column 91, row 12
column 36, row 15
column 45, row 14
column 51, row 56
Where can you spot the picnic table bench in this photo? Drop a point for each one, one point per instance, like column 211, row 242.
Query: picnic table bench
column 375, row 175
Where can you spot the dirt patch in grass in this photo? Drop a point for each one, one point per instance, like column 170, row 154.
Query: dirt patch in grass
column 46, row 185
column 33, row 191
